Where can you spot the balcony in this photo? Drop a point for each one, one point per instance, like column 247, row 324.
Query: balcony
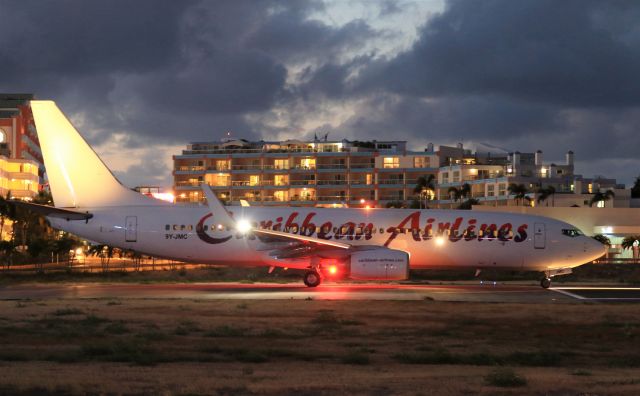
column 187, row 184
column 303, row 182
column 331, row 182
column 391, row 198
column 190, row 169
column 246, row 167
column 303, row 167
column 331, row 166
column 243, row 183
column 362, row 166
column 391, row 182
column 325, row 198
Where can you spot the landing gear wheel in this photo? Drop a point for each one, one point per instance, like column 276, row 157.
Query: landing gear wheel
column 312, row 279
column 545, row 283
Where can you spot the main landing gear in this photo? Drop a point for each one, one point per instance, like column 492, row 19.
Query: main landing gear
column 312, row 278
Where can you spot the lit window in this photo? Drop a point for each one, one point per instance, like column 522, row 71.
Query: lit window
column 391, row 162
column 421, row 162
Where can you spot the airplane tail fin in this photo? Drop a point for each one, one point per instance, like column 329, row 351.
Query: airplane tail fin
column 77, row 176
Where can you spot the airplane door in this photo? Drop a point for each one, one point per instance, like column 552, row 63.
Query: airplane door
column 539, row 236
column 131, row 229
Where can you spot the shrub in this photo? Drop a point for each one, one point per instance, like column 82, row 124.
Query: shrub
column 504, row 377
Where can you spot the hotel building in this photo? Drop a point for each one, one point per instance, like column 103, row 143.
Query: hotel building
column 21, row 164
column 489, row 176
column 309, row 173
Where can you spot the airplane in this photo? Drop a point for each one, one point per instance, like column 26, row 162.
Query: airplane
column 353, row 243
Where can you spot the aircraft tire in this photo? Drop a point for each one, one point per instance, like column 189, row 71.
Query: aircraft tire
column 312, row 279
column 545, row 282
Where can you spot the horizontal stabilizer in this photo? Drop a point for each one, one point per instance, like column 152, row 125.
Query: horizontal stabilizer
column 50, row 211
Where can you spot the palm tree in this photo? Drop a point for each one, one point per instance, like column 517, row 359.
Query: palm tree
column 601, row 197
column 425, row 186
column 7, row 211
column 627, row 242
column 603, row 239
column 105, row 252
column 545, row 193
column 519, row 192
column 459, row 193
column 466, row 205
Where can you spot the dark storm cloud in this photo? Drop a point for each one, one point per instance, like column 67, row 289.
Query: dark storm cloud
column 526, row 74
column 573, row 52
column 76, row 38
column 164, row 70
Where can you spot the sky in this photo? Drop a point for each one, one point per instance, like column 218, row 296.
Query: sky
column 141, row 79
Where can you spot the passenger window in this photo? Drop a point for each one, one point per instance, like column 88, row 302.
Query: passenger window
column 190, row 228
column 167, row 227
column 381, row 230
column 175, row 227
column 182, row 227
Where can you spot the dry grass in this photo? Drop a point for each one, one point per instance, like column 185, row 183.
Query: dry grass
column 316, row 347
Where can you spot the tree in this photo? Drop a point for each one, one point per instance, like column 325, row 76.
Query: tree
column 601, row 197
column 7, row 248
column 7, row 211
column 458, row 194
column 545, row 193
column 635, row 190
column 519, row 192
column 603, row 239
column 105, row 252
column 467, row 205
column 627, row 242
column 425, row 187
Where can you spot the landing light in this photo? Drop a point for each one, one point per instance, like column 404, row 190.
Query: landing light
column 333, row 270
column 439, row 241
column 243, row 226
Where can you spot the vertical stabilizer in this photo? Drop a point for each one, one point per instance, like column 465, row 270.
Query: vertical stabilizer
column 77, row 176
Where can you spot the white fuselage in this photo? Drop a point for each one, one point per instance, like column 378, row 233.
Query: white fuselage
column 433, row 238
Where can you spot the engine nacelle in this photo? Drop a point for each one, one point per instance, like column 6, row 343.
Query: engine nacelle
column 379, row 264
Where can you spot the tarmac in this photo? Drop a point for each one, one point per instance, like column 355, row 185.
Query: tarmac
column 488, row 292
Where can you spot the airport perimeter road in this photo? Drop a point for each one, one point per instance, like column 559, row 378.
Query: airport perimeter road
column 328, row 291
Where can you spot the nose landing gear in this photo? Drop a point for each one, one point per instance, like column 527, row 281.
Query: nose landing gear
column 545, row 282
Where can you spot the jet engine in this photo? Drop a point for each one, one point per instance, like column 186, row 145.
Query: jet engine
column 379, row 264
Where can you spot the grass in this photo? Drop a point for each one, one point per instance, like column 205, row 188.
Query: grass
column 356, row 357
column 381, row 348
column 505, row 377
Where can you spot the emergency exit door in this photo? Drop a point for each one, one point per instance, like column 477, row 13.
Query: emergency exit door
column 131, row 228
column 539, row 236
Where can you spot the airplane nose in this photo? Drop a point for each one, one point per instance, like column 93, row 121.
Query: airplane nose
column 594, row 249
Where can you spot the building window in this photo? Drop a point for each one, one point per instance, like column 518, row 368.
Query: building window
column 456, row 176
column 281, row 180
column 491, row 190
column 502, row 189
column 308, row 163
column 445, row 177
column 391, row 162
column 222, row 165
column 254, row 180
column 421, row 162
column 281, row 196
column 281, row 164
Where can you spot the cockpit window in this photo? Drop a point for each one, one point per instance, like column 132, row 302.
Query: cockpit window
column 572, row 232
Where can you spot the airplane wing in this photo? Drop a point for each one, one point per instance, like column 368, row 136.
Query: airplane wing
column 51, row 211
column 301, row 238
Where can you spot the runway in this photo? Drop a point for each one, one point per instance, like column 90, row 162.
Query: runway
column 327, row 291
